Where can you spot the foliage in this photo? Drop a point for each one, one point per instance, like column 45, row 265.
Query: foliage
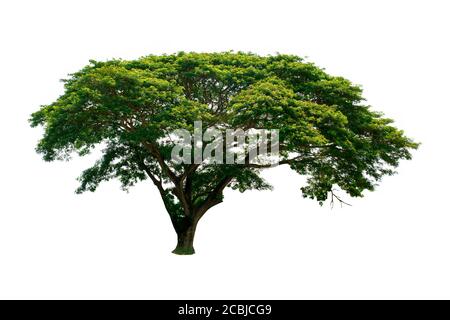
column 327, row 133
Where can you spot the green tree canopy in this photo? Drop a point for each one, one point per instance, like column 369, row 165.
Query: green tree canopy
column 326, row 131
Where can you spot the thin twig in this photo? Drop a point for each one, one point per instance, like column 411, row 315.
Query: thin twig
column 333, row 196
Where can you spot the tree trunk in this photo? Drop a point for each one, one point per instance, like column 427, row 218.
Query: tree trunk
column 185, row 244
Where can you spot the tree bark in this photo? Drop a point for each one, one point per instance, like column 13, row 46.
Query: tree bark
column 185, row 243
column 185, row 227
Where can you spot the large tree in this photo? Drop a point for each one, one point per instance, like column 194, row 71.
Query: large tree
column 129, row 109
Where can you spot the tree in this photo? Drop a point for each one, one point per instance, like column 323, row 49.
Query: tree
column 130, row 108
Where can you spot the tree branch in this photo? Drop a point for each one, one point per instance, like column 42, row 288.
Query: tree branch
column 333, row 195
column 213, row 197
column 155, row 152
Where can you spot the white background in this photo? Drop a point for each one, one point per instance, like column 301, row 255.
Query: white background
column 393, row 243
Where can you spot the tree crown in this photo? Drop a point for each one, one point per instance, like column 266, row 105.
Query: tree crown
column 326, row 131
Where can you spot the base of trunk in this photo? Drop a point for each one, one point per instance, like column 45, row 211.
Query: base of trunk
column 183, row 251
column 185, row 244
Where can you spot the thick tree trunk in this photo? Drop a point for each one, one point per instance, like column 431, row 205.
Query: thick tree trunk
column 185, row 227
column 185, row 244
